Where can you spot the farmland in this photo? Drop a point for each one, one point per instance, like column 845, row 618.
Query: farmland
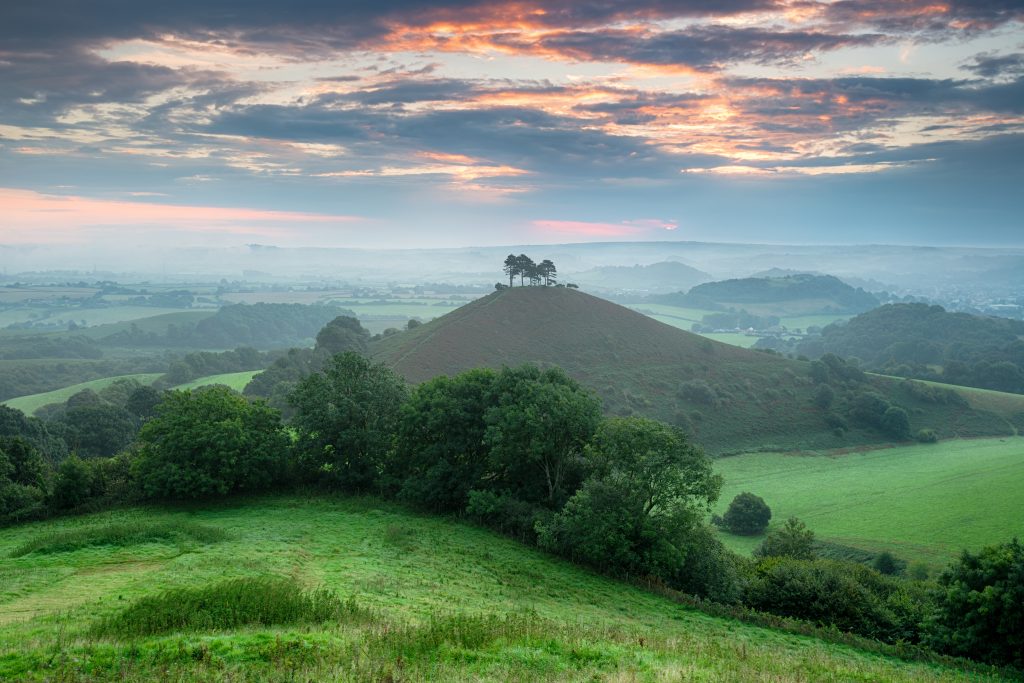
column 923, row 502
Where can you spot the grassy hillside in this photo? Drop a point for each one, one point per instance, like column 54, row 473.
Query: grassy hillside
column 730, row 398
column 235, row 380
column 924, row 502
column 434, row 600
column 32, row 403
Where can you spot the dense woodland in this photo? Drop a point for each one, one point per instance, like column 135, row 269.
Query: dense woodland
column 729, row 293
column 928, row 342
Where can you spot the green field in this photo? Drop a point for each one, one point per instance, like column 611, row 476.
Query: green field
column 235, row 380
column 434, row 600
column 32, row 403
column 923, row 502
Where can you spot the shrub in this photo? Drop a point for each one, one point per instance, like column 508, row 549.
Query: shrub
column 255, row 601
column 927, row 436
column 793, row 540
column 886, row 564
column 847, row 596
column 747, row 515
column 121, row 534
column 979, row 606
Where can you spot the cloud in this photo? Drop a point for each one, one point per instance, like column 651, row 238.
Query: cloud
column 630, row 228
column 32, row 218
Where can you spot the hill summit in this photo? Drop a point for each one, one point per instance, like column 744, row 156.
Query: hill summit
column 729, row 398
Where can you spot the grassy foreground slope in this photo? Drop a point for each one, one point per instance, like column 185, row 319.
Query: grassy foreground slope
column 33, row 402
column 638, row 365
column 923, row 502
column 439, row 601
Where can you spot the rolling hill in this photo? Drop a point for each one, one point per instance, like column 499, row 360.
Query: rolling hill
column 667, row 276
column 426, row 599
column 801, row 294
column 729, row 398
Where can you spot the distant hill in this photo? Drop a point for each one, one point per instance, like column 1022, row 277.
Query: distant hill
column 667, row 276
column 918, row 340
column 803, row 294
column 730, row 398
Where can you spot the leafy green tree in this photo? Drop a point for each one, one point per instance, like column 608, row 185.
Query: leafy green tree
column 72, row 486
column 793, row 540
column 24, row 478
column 347, row 417
column 441, row 454
column 210, row 442
column 979, row 606
column 824, row 396
column 536, row 432
column 640, row 511
column 342, row 334
column 896, row 421
column 747, row 515
column 98, row 430
column 142, row 402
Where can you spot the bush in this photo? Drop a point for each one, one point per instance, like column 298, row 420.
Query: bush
column 793, row 540
column 979, row 606
column 747, row 515
column 259, row 601
column 886, row 564
column 927, row 436
column 121, row 534
column 847, row 596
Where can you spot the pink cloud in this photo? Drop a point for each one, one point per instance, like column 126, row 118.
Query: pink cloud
column 591, row 229
column 33, row 217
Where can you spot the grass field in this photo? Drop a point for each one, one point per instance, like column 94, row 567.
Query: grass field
column 32, row 403
column 235, row 380
column 433, row 600
column 923, row 502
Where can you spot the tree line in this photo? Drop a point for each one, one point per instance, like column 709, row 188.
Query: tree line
column 528, row 272
column 525, row 451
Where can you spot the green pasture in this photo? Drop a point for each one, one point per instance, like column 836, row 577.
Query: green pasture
column 924, row 502
column 432, row 599
column 234, row 380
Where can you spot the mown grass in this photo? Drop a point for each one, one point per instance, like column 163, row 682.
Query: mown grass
column 31, row 403
column 430, row 599
column 923, row 502
column 234, row 380
column 119, row 534
column 225, row 605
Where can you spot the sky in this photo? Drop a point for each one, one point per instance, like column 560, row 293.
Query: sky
column 415, row 123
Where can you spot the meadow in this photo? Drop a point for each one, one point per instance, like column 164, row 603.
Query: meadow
column 357, row 589
column 234, row 380
column 923, row 502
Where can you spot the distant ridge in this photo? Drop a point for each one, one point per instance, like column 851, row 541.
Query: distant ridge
column 729, row 398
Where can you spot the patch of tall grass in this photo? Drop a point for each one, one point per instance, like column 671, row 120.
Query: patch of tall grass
column 120, row 534
column 250, row 601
